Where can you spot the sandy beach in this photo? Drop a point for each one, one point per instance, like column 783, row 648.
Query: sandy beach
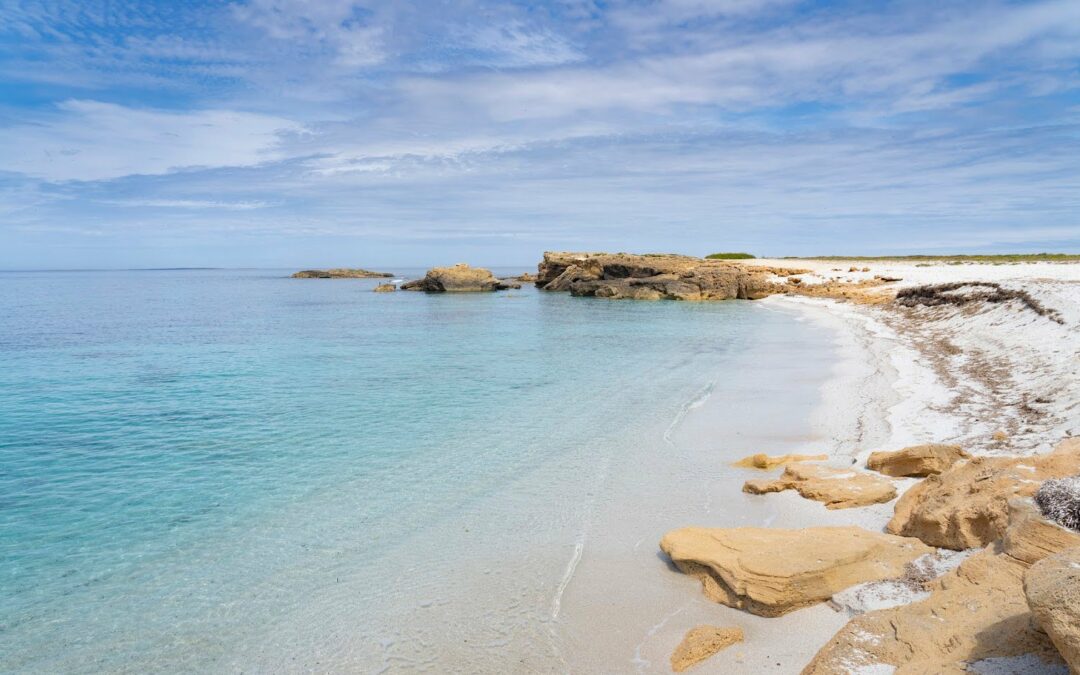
column 996, row 379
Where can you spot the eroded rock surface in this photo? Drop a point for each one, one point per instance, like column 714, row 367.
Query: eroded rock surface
column 835, row 488
column 460, row 278
column 770, row 572
column 1052, row 588
column 967, row 506
column 978, row 611
column 702, row 642
column 655, row 277
column 917, row 461
column 763, row 461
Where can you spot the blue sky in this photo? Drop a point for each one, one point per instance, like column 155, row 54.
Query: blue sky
column 288, row 133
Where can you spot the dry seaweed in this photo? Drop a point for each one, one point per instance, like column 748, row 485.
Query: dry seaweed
column 1059, row 500
column 936, row 295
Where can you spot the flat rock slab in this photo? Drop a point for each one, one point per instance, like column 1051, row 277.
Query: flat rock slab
column 770, row 572
column 967, row 505
column 917, row 461
column 977, row 611
column 835, row 488
column 702, row 642
column 763, row 461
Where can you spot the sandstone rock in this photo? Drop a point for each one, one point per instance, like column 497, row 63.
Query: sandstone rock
column 460, row 278
column 702, row 642
column 526, row 278
column 967, row 506
column 836, row 488
column 763, row 461
column 340, row 273
column 385, row 288
column 770, row 572
column 1052, row 588
column 917, row 461
column 978, row 611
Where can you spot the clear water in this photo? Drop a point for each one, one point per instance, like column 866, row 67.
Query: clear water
column 226, row 471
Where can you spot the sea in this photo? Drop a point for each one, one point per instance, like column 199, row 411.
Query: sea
column 225, row 471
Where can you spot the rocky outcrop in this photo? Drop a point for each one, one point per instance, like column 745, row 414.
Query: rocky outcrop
column 978, row 611
column 835, row 488
column 385, row 288
column 341, row 273
column 526, row 278
column 967, row 506
column 917, row 461
column 702, row 642
column 770, row 572
column 1052, row 588
column 763, row 461
column 655, row 277
column 460, row 278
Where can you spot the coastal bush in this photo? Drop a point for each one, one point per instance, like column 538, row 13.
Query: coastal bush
column 1059, row 501
column 945, row 294
column 730, row 256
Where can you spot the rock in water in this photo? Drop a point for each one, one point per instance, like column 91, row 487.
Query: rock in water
column 385, row 288
column 770, row 572
column 836, row 488
column 763, row 461
column 917, row 461
column 460, row 278
column 341, row 273
column 967, row 506
column 978, row 611
column 1052, row 587
column 702, row 642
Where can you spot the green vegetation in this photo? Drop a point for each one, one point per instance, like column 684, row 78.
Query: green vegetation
column 979, row 258
column 730, row 256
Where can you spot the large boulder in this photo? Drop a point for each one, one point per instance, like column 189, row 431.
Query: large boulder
column 917, row 461
column 653, row 277
column 835, row 488
column 976, row 612
column 460, row 278
column 967, row 506
column 702, row 642
column 1052, row 587
column 770, row 572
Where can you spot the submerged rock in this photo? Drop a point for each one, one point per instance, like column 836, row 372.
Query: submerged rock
column 836, row 488
column 702, row 642
column 916, row 461
column 1052, row 588
column 770, row 572
column 976, row 612
column 967, row 505
column 460, row 278
column 341, row 273
column 763, row 461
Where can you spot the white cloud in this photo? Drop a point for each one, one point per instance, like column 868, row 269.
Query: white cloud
column 90, row 140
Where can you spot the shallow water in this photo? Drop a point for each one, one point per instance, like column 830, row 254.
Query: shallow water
column 234, row 470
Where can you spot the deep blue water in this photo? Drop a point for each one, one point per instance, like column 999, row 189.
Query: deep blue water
column 233, row 470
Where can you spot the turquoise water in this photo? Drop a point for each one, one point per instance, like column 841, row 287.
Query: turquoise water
column 233, row 470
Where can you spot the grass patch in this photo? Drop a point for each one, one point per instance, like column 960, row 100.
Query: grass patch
column 730, row 256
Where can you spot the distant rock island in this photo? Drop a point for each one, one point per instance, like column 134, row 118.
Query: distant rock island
column 341, row 273
column 460, row 278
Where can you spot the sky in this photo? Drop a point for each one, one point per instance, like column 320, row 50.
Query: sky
column 282, row 133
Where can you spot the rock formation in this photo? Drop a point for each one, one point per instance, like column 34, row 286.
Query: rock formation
column 763, row 461
column 770, row 572
column 836, row 488
column 978, row 611
column 385, row 288
column 916, row 461
column 655, row 277
column 967, row 506
column 341, row 273
column 1052, row 588
column 702, row 642
column 460, row 278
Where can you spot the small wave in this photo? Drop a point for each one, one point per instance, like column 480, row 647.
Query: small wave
column 571, row 567
column 699, row 400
